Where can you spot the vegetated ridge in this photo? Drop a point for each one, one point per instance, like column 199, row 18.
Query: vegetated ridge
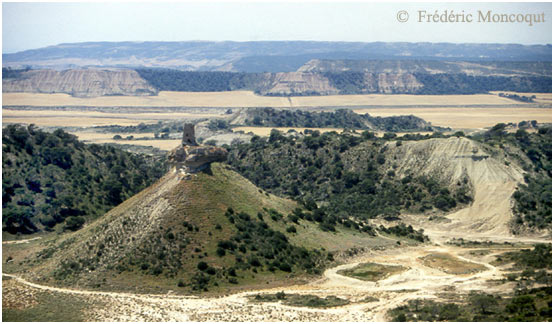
column 343, row 82
column 51, row 178
column 369, row 178
column 474, row 68
column 396, row 80
column 341, row 118
column 346, row 175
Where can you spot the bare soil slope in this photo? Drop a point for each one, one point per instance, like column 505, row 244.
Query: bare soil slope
column 460, row 159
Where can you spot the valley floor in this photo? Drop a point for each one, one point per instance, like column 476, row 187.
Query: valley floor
column 369, row 301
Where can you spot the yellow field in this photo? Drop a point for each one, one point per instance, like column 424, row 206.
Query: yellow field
column 401, row 100
column 103, row 137
column 467, row 117
column 99, row 138
column 163, row 99
column 161, row 144
column 75, row 121
column 248, row 99
column 91, row 118
column 438, row 115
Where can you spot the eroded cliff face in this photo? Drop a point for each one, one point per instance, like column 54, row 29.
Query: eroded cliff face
column 298, row 83
column 395, row 82
column 81, row 83
column 315, row 83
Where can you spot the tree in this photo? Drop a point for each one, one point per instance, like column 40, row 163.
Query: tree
column 74, row 223
column 275, row 136
column 257, row 120
column 202, row 266
column 524, row 305
column 483, row 302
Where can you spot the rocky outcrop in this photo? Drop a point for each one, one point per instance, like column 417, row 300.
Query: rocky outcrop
column 192, row 159
column 189, row 157
column 81, row 83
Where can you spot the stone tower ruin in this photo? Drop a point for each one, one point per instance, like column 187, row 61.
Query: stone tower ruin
column 189, row 157
column 188, row 135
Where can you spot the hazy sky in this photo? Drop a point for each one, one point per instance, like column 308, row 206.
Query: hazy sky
column 34, row 25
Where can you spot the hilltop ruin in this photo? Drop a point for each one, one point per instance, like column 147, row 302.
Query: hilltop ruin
column 190, row 157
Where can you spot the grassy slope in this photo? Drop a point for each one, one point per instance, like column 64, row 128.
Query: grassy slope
column 23, row 304
column 148, row 229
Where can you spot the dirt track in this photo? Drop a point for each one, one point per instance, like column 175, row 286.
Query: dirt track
column 418, row 281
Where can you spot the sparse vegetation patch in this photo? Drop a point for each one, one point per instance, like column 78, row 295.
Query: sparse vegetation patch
column 450, row 264
column 298, row 300
column 372, row 271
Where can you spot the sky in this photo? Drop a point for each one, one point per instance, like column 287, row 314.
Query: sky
column 35, row 25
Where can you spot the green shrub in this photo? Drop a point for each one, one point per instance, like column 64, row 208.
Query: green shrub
column 74, row 223
column 202, row 266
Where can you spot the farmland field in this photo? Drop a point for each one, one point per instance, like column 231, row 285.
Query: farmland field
column 163, row 99
column 440, row 116
column 51, row 110
column 466, row 117
column 83, row 118
column 99, row 138
column 540, row 97
column 249, row 99
column 401, row 100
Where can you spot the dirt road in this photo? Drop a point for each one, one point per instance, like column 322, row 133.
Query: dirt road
column 418, row 281
column 21, row 241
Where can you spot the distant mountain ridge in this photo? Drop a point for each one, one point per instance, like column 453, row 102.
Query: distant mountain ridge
column 261, row 56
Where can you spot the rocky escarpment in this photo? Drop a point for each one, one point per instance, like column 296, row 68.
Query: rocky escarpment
column 80, row 83
column 298, row 83
column 323, row 84
column 392, row 82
